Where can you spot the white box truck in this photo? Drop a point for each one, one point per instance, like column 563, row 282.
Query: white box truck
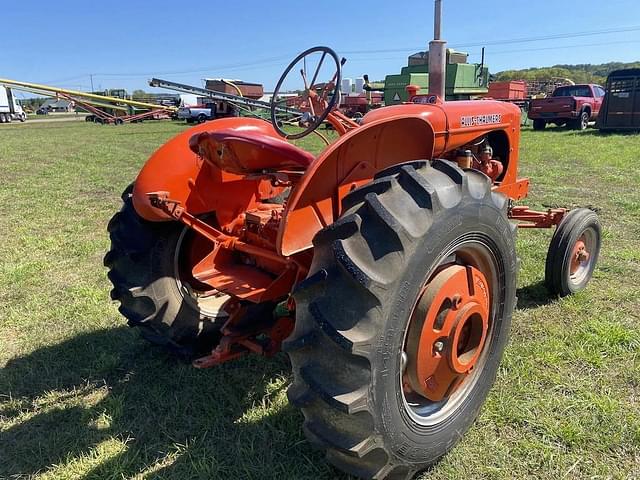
column 9, row 108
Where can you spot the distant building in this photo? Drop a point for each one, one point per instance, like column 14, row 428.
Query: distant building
column 58, row 105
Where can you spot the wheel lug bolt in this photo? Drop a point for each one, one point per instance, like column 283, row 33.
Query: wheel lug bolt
column 438, row 346
column 403, row 361
column 455, row 301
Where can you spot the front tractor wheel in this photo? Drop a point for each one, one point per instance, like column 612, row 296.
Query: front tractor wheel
column 149, row 267
column 403, row 319
column 573, row 252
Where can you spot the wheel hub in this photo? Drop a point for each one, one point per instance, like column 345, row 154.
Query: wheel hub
column 580, row 255
column 447, row 331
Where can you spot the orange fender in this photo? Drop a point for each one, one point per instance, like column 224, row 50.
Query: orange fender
column 345, row 165
column 389, row 136
column 200, row 186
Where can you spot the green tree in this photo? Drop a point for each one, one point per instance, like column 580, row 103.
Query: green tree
column 581, row 73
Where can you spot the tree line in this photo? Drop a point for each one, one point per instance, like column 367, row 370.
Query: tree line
column 581, row 73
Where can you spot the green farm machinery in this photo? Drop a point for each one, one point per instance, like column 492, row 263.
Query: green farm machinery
column 462, row 80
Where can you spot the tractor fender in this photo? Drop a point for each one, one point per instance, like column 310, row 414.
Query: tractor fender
column 198, row 185
column 345, row 165
column 389, row 136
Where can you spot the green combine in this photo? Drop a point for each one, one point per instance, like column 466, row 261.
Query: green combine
column 463, row 80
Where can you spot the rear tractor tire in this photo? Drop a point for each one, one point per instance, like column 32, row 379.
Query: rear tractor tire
column 145, row 265
column 403, row 319
column 573, row 252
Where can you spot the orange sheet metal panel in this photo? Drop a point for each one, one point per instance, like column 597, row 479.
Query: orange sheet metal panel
column 389, row 136
column 199, row 186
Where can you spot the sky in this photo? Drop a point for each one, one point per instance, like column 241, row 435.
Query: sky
column 121, row 44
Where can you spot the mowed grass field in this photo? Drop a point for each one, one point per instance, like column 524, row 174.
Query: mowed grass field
column 83, row 397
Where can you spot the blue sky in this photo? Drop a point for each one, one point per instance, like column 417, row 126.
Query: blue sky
column 123, row 43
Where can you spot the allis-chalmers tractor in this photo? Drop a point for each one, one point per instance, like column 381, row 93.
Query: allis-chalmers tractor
column 385, row 266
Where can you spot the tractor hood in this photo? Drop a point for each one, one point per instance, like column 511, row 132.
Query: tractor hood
column 454, row 123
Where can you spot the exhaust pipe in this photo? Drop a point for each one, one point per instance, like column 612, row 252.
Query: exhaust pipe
column 437, row 55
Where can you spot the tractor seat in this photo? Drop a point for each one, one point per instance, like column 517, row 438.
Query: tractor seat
column 248, row 151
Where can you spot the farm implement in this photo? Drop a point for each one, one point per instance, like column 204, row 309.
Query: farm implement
column 102, row 108
column 244, row 103
column 251, row 107
column 385, row 267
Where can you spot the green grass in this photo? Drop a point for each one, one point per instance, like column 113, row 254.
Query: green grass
column 81, row 396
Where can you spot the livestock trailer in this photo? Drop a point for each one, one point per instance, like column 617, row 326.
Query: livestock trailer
column 621, row 107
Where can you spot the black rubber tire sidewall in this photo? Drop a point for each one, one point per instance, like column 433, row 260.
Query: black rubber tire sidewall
column 142, row 271
column 558, row 263
column 180, row 319
column 583, row 121
column 353, row 309
column 579, row 123
column 412, row 442
column 539, row 124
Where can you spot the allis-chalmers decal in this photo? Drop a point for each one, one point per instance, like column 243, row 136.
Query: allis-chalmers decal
column 475, row 120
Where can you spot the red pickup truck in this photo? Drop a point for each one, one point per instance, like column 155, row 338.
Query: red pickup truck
column 574, row 105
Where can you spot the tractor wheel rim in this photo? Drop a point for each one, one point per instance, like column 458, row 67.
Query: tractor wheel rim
column 210, row 303
column 581, row 260
column 448, row 333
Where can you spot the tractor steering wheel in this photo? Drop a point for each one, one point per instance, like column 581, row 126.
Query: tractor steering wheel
column 311, row 106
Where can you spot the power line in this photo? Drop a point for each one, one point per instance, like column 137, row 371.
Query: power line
column 555, row 36
column 509, row 41
column 198, row 70
column 275, row 60
column 390, row 50
column 68, row 79
column 580, row 45
column 488, row 53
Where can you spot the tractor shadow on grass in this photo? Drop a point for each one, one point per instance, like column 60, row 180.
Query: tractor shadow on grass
column 611, row 133
column 115, row 407
column 592, row 131
column 533, row 296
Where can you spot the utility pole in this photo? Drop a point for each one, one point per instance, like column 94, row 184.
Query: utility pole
column 91, row 77
column 437, row 55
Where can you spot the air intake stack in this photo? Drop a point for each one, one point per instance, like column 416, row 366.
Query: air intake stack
column 437, row 55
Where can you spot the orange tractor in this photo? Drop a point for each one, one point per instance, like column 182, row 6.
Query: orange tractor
column 385, row 266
